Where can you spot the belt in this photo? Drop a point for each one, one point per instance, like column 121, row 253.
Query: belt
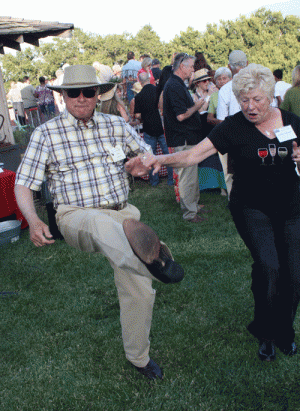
column 116, row 207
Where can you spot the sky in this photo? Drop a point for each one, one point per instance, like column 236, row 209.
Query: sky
column 166, row 18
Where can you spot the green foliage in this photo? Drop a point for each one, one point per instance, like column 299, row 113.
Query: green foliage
column 266, row 37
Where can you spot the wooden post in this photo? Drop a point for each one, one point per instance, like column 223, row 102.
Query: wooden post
column 6, row 133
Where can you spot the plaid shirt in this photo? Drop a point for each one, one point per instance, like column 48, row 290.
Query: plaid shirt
column 76, row 160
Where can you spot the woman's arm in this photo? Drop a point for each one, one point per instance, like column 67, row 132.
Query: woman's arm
column 181, row 159
column 189, row 157
column 211, row 119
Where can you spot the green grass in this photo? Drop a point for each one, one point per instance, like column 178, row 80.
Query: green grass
column 60, row 335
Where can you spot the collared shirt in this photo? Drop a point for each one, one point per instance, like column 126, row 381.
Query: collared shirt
column 213, row 103
column 45, row 95
column 77, row 159
column 281, row 88
column 227, row 102
column 28, row 98
column 177, row 100
column 144, row 103
column 131, row 69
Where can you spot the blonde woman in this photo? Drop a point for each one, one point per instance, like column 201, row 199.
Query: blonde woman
column 146, row 68
column 264, row 202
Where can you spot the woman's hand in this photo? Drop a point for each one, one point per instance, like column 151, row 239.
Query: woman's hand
column 136, row 167
column 150, row 161
column 296, row 153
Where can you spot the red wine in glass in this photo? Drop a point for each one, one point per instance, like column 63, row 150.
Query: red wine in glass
column 262, row 153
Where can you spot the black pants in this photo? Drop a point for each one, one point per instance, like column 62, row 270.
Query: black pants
column 274, row 243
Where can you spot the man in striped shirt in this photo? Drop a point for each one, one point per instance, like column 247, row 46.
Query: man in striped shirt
column 82, row 153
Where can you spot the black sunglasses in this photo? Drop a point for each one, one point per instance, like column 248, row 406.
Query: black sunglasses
column 184, row 57
column 87, row 92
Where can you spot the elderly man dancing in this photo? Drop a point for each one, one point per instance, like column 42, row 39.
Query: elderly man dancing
column 82, row 154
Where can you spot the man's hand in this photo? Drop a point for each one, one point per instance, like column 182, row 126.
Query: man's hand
column 39, row 231
column 151, row 162
column 40, row 234
column 199, row 103
column 135, row 166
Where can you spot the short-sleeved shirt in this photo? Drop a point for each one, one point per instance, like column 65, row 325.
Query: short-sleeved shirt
column 227, row 102
column 77, row 160
column 213, row 103
column 45, row 95
column 177, row 100
column 266, row 187
column 130, row 69
column 291, row 100
column 281, row 88
column 28, row 97
column 156, row 71
column 145, row 104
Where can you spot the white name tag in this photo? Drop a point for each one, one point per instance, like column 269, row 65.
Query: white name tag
column 117, row 153
column 285, row 133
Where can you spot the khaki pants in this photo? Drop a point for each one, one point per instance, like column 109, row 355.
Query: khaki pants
column 100, row 230
column 188, row 185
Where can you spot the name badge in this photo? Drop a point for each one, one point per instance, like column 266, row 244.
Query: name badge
column 285, row 134
column 117, row 153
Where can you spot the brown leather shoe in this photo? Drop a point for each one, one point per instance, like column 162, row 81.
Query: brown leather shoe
column 156, row 256
column 196, row 219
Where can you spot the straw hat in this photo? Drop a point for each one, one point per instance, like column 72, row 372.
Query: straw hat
column 81, row 77
column 105, row 75
column 137, row 87
column 201, row 75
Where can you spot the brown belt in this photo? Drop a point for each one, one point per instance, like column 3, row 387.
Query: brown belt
column 116, row 207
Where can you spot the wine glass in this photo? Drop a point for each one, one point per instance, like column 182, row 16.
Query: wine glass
column 262, row 153
column 282, row 152
column 272, row 150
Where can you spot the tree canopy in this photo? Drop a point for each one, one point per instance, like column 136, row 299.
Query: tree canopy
column 266, row 37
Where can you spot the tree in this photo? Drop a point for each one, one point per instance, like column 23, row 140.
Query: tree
column 266, row 37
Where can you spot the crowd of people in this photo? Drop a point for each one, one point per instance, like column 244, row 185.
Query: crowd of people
column 87, row 152
column 34, row 105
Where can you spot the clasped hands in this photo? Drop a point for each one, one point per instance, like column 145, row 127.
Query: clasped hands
column 142, row 164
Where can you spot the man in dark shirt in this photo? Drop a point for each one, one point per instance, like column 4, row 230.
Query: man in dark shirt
column 146, row 109
column 156, row 71
column 183, row 129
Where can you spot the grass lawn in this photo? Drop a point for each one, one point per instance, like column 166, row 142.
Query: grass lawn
column 60, row 335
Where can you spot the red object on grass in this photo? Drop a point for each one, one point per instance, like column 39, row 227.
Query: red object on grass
column 8, row 203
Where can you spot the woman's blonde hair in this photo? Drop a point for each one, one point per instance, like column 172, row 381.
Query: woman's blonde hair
column 111, row 106
column 251, row 77
column 146, row 62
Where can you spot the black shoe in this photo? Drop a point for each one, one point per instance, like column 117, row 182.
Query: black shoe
column 151, row 370
column 266, row 350
column 156, row 256
column 288, row 349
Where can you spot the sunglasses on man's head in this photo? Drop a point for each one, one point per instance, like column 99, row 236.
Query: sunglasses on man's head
column 87, row 92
